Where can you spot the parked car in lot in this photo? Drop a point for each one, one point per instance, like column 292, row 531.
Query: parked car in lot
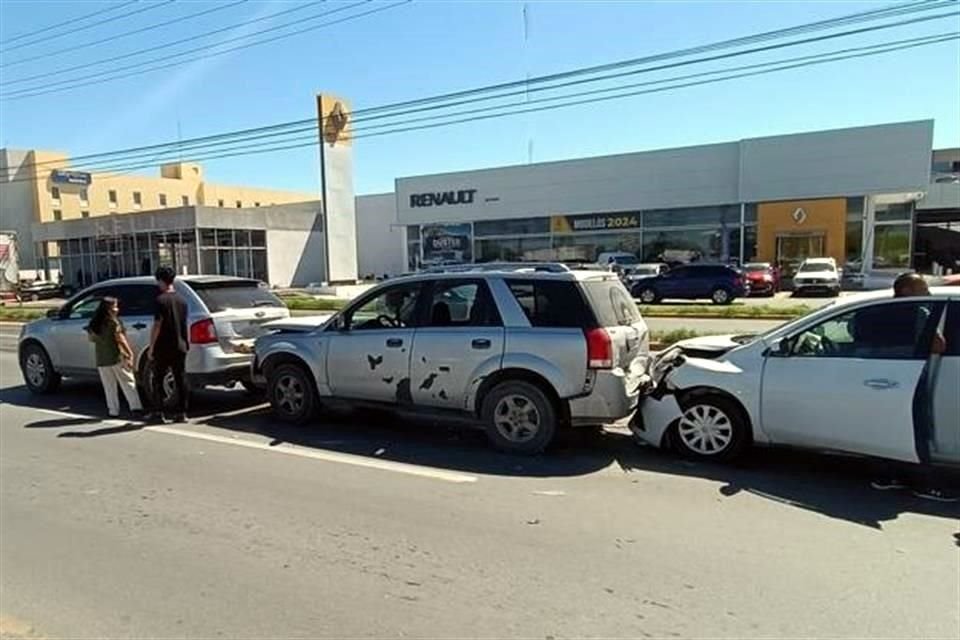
column 848, row 377
column 225, row 314
column 519, row 353
column 40, row 290
column 817, row 275
column 763, row 278
column 715, row 282
column 633, row 274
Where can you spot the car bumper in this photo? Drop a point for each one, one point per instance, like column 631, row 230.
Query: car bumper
column 228, row 376
column 760, row 288
column 826, row 287
column 614, row 396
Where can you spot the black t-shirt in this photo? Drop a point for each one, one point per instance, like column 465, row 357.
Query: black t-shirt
column 171, row 311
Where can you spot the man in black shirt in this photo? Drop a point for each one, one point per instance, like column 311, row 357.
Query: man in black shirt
column 169, row 342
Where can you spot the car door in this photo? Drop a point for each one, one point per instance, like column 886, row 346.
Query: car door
column 136, row 302
column 945, row 385
column 849, row 382
column 74, row 351
column 673, row 284
column 370, row 345
column 462, row 333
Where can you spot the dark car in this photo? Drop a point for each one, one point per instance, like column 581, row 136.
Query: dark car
column 41, row 290
column 762, row 278
column 716, row 282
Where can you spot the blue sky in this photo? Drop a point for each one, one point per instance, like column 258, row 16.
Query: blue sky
column 429, row 47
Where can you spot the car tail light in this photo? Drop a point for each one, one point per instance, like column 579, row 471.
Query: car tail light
column 203, row 332
column 599, row 349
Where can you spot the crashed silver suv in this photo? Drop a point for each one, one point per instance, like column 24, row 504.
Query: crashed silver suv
column 520, row 353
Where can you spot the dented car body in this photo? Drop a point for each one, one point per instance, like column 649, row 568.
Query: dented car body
column 520, row 354
column 871, row 375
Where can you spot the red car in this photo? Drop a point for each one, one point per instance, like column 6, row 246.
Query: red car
column 763, row 279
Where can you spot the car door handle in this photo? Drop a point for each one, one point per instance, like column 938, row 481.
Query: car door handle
column 480, row 343
column 881, row 384
column 139, row 325
column 393, row 343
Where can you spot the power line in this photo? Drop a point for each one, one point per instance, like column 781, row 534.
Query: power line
column 118, row 36
column 754, row 70
column 70, row 21
column 149, row 7
column 167, row 45
column 525, row 83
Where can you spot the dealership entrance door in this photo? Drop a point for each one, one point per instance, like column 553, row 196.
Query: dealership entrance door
column 794, row 248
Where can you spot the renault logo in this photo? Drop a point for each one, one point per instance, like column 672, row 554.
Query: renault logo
column 799, row 216
column 335, row 122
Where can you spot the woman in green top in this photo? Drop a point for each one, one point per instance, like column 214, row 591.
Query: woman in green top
column 114, row 356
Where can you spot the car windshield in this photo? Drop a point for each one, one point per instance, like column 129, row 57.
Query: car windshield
column 808, row 267
column 626, row 259
column 643, row 271
column 234, row 294
column 754, row 268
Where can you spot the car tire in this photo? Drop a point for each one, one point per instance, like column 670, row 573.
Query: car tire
column 648, row 295
column 37, row 370
column 292, row 394
column 712, row 427
column 145, row 387
column 518, row 417
column 721, row 296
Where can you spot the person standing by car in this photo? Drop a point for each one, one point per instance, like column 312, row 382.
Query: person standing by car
column 169, row 344
column 114, row 357
column 911, row 285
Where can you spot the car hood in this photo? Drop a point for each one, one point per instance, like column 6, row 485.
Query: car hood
column 816, row 274
column 299, row 324
column 709, row 347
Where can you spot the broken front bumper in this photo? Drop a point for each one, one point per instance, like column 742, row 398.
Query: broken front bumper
column 658, row 408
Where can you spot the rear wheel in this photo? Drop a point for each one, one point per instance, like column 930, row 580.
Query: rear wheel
column 721, row 295
column 648, row 295
column 519, row 417
column 169, row 400
column 292, row 394
column 37, row 370
column 712, row 427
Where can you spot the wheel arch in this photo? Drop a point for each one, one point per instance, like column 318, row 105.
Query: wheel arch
column 32, row 341
column 523, row 375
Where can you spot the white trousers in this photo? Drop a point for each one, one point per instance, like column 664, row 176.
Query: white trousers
column 116, row 375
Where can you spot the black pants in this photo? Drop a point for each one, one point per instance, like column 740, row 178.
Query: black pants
column 175, row 363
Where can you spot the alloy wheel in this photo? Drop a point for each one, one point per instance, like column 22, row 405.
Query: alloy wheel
column 516, row 418
column 705, row 429
column 36, row 369
column 647, row 296
column 720, row 296
column 289, row 394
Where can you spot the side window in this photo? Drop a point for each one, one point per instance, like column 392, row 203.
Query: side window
column 85, row 307
column 461, row 304
column 898, row 331
column 551, row 303
column 136, row 299
column 391, row 309
column 951, row 329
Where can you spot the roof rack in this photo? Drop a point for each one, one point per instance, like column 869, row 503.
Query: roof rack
column 543, row 267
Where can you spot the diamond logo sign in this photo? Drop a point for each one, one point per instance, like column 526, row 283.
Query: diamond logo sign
column 799, row 216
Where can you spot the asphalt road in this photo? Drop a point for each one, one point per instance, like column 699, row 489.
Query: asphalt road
column 234, row 526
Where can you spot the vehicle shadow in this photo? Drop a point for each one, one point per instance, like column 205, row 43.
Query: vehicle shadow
column 832, row 485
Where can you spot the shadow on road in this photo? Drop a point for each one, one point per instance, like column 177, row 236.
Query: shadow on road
column 834, row 486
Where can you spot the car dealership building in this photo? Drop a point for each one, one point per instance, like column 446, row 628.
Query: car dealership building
column 864, row 196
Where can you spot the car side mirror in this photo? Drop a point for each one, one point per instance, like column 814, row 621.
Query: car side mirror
column 55, row 314
column 340, row 323
column 780, row 348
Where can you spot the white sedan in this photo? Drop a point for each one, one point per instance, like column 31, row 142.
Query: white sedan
column 857, row 376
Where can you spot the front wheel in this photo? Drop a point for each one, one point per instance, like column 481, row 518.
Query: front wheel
column 721, row 295
column 518, row 417
column 292, row 394
column 712, row 427
column 37, row 370
column 169, row 400
column 648, row 295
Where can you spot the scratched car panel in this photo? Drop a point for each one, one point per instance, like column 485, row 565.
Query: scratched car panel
column 530, row 351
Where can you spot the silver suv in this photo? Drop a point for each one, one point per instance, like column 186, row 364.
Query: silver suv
column 225, row 314
column 520, row 354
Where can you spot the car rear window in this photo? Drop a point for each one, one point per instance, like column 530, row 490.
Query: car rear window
column 234, row 294
column 611, row 303
column 551, row 303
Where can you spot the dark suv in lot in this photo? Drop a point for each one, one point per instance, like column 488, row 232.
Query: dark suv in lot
column 715, row 282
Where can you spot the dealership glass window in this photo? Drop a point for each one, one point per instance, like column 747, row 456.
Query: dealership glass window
column 893, row 212
column 513, row 249
column 258, row 238
column 516, row 226
column 682, row 246
column 854, row 244
column 208, row 237
column 587, row 247
column 694, row 216
column 242, row 237
column 413, row 247
column 750, row 213
column 208, row 261
column 891, row 246
column 224, row 237
column 258, row 258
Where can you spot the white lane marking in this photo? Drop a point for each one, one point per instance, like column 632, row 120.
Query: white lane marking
column 291, row 450
column 326, row 456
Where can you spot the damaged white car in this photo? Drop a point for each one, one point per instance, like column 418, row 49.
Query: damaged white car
column 870, row 375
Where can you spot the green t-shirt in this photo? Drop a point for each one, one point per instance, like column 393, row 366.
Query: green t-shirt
column 105, row 343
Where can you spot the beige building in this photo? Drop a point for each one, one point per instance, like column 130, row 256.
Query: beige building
column 39, row 187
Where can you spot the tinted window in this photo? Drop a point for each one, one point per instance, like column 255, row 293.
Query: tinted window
column 549, row 303
column 234, row 294
column 951, row 329
column 611, row 303
column 899, row 331
column 393, row 308
column 85, row 306
column 461, row 304
column 136, row 299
